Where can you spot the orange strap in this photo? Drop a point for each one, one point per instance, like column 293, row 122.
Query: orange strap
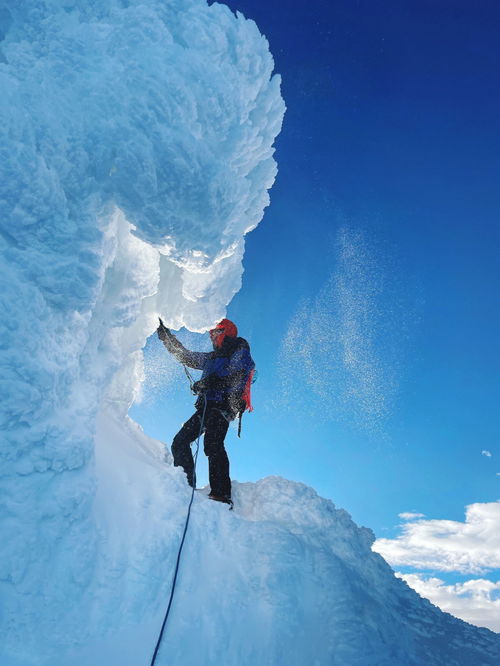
column 247, row 393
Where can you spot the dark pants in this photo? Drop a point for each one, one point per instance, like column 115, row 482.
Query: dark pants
column 215, row 429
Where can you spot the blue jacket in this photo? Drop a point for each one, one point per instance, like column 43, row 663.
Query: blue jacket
column 225, row 371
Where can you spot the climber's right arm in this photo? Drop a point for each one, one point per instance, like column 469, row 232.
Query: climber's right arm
column 195, row 360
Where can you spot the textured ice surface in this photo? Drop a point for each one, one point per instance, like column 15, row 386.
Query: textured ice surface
column 135, row 153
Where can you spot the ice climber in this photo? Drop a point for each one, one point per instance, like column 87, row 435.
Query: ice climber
column 225, row 386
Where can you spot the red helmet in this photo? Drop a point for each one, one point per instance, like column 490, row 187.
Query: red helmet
column 223, row 328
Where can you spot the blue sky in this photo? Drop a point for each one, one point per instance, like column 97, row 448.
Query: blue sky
column 388, row 158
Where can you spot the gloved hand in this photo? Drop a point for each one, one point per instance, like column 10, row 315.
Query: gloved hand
column 163, row 332
column 199, row 387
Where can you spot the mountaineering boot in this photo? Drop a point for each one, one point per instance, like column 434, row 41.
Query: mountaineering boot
column 221, row 498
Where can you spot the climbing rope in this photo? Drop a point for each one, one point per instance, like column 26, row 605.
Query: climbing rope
column 174, row 580
column 190, row 378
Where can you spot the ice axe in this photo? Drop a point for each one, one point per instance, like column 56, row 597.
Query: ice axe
column 163, row 331
column 163, row 328
column 172, row 338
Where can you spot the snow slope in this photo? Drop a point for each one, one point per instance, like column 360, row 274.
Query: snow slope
column 136, row 152
column 285, row 578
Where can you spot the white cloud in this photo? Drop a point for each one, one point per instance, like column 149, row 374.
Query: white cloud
column 476, row 601
column 472, row 546
column 408, row 515
column 486, row 453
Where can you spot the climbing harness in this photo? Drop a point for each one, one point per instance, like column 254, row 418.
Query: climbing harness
column 174, row 580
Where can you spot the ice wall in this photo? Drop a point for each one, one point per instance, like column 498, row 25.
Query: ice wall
column 136, row 151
